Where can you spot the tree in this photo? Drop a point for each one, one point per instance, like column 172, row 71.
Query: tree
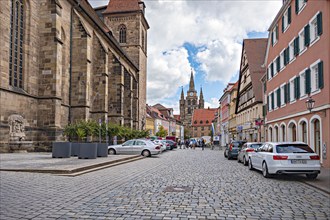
column 186, row 133
column 161, row 132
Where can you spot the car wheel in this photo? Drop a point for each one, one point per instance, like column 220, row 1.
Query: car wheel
column 312, row 176
column 265, row 170
column 250, row 164
column 146, row 153
column 224, row 154
column 111, row 152
column 245, row 162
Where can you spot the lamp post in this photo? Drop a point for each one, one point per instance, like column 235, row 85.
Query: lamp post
column 310, row 104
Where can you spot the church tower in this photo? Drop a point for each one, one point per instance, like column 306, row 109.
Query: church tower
column 182, row 105
column 127, row 22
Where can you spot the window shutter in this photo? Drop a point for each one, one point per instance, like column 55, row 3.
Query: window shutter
column 319, row 24
column 272, row 69
column 320, row 67
column 296, row 46
column 306, row 33
column 278, row 97
column 298, row 87
column 288, row 55
column 289, row 15
column 264, row 110
column 272, row 38
column 276, row 32
column 285, row 94
column 278, row 65
column 308, row 81
column 295, row 88
column 267, row 74
column 268, row 102
column 297, row 6
column 282, row 24
column 288, row 92
column 272, row 97
column 285, row 58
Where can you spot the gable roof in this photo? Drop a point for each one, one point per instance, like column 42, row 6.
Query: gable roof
column 123, row 6
column 203, row 115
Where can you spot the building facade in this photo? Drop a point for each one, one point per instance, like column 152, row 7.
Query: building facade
column 60, row 62
column 190, row 103
column 298, row 67
column 202, row 122
column 232, row 116
column 249, row 98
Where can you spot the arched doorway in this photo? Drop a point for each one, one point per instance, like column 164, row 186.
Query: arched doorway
column 276, row 133
column 303, row 131
column 317, row 136
column 270, row 134
column 283, row 134
column 292, row 134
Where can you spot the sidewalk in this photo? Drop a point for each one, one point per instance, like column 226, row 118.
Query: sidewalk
column 44, row 163
column 322, row 182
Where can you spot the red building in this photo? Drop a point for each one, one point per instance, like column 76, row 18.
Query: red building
column 202, row 122
column 297, row 62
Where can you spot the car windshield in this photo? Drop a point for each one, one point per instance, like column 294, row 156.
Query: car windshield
column 255, row 146
column 237, row 144
column 293, row 148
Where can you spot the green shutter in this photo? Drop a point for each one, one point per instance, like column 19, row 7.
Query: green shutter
column 276, row 32
column 320, row 67
column 285, row 94
column 264, row 110
column 288, row 55
column 288, row 92
column 295, row 88
column 296, row 46
column 306, row 33
column 268, row 102
column 278, row 97
column 307, row 81
column 282, row 24
column 298, row 87
column 289, row 15
column 285, row 57
column 272, row 38
column 278, row 65
column 267, row 74
column 319, row 24
column 272, row 97
column 297, row 6
column 272, row 69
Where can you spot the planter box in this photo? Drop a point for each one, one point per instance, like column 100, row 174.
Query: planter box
column 102, row 150
column 75, row 149
column 87, row 151
column 61, row 150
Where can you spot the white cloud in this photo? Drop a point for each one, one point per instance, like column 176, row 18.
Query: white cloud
column 212, row 103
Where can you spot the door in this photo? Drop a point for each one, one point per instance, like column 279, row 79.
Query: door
column 138, row 147
column 127, row 147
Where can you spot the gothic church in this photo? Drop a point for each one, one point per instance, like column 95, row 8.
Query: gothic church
column 63, row 61
column 190, row 103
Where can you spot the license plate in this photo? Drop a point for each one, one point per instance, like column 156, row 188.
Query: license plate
column 299, row 161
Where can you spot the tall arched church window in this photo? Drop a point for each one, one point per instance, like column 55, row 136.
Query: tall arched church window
column 16, row 44
column 122, row 34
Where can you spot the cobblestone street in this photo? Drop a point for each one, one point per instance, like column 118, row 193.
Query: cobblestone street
column 181, row 184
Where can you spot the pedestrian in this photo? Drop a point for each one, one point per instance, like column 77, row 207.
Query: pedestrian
column 187, row 143
column 203, row 144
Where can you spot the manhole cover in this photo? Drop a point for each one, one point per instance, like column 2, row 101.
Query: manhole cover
column 177, row 189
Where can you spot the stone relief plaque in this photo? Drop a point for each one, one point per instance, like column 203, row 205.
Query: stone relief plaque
column 17, row 127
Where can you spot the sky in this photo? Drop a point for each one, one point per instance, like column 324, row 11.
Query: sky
column 204, row 36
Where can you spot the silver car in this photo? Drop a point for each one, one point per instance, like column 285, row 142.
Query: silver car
column 247, row 149
column 136, row 146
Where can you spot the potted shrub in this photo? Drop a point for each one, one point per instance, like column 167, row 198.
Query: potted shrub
column 61, row 149
column 86, row 150
column 71, row 132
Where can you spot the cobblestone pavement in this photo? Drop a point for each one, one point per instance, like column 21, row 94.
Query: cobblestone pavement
column 182, row 184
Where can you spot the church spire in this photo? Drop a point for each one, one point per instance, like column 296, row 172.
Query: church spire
column 201, row 94
column 182, row 94
column 201, row 99
column 192, row 83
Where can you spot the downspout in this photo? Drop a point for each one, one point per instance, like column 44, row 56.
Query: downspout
column 70, row 69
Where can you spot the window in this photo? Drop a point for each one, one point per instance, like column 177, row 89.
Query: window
column 275, row 66
column 314, row 78
column 300, row 4
column 201, row 122
column 316, row 27
column 274, row 35
column 16, row 44
column 302, row 84
column 275, row 99
column 301, row 38
column 282, row 95
column 286, row 19
column 291, row 50
column 122, row 34
column 291, row 90
column 313, row 30
column 282, row 60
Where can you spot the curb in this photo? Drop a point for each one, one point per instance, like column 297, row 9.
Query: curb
column 316, row 187
column 81, row 170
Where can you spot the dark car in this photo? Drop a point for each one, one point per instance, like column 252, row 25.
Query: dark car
column 233, row 148
column 172, row 144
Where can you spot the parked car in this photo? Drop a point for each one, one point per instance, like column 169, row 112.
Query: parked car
column 232, row 149
column 136, row 146
column 247, row 149
column 164, row 146
column 172, row 144
column 285, row 158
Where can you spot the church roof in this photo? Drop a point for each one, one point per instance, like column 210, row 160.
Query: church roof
column 123, row 6
column 192, row 83
column 203, row 117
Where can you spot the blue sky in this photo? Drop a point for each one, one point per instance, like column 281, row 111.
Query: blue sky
column 205, row 35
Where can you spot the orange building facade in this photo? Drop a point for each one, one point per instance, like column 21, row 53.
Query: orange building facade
column 297, row 62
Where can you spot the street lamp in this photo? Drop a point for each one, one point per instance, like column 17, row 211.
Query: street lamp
column 310, row 104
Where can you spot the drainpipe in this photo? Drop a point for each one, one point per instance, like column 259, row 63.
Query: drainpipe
column 70, row 69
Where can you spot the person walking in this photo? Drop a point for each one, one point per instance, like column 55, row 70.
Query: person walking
column 203, row 143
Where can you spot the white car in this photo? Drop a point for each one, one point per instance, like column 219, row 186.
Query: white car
column 285, row 158
column 136, row 146
column 164, row 145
